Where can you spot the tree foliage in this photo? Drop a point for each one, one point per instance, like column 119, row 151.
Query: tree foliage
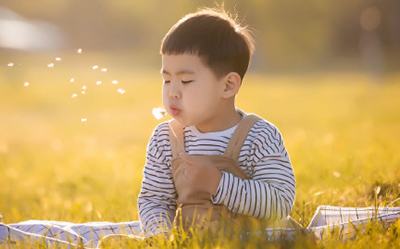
column 288, row 33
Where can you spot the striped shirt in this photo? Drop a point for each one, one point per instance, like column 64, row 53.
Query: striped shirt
column 268, row 193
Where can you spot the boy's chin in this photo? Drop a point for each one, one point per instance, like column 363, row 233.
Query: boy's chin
column 182, row 122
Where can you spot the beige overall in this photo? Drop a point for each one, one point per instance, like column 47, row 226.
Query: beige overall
column 196, row 207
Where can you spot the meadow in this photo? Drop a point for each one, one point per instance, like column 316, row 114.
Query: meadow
column 80, row 157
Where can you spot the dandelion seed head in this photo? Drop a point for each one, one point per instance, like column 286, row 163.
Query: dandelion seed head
column 159, row 112
column 72, row 80
column 79, row 50
column 95, row 67
column 26, row 84
column 50, row 65
column 58, row 59
column 121, row 91
column 83, row 87
column 74, row 95
column 83, row 119
column 114, row 82
column 83, row 92
column 104, row 69
column 10, row 64
column 98, row 82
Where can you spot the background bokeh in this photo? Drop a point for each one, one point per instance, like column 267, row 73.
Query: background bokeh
column 291, row 36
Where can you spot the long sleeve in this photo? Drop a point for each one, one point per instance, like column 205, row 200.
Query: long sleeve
column 268, row 194
column 157, row 198
column 271, row 190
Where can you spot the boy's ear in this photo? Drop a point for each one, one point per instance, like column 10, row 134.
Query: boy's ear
column 232, row 81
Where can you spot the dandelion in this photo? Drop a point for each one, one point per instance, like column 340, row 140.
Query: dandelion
column 83, row 119
column 159, row 112
column 104, row 69
column 121, row 91
column 98, row 82
column 83, row 92
column 83, row 87
column 95, row 67
column 50, row 65
column 74, row 95
column 26, row 84
column 114, row 82
column 79, row 50
column 10, row 64
column 58, row 59
column 72, row 80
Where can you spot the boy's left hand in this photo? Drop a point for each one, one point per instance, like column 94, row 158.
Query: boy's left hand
column 201, row 174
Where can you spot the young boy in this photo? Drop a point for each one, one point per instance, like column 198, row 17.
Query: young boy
column 213, row 159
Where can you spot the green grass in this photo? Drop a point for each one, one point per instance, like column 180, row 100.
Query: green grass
column 342, row 132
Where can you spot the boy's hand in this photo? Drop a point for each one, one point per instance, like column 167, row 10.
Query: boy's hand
column 201, row 174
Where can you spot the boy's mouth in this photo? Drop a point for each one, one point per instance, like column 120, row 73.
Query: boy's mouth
column 174, row 110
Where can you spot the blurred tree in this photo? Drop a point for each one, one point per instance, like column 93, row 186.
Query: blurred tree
column 290, row 35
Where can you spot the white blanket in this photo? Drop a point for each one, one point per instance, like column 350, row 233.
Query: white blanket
column 88, row 235
column 347, row 221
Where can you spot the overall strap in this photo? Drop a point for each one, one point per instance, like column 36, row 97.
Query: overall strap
column 176, row 138
column 239, row 136
column 234, row 146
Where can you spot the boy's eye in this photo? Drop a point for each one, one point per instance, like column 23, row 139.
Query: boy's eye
column 166, row 81
column 186, row 81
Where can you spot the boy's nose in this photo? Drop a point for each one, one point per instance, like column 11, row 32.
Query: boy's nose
column 174, row 91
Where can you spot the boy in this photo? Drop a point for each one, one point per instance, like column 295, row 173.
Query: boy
column 204, row 59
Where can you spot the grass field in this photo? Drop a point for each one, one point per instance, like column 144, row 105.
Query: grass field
column 80, row 158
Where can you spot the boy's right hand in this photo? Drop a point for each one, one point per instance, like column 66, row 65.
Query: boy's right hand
column 200, row 173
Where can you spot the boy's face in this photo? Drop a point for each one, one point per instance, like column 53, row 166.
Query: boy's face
column 192, row 94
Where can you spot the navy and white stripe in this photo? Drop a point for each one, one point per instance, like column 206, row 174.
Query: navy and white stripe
column 268, row 194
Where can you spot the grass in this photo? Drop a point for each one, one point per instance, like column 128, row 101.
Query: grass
column 341, row 130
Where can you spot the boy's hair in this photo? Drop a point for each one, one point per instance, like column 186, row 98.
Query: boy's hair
column 222, row 44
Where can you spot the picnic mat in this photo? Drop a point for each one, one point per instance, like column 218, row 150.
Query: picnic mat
column 346, row 221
